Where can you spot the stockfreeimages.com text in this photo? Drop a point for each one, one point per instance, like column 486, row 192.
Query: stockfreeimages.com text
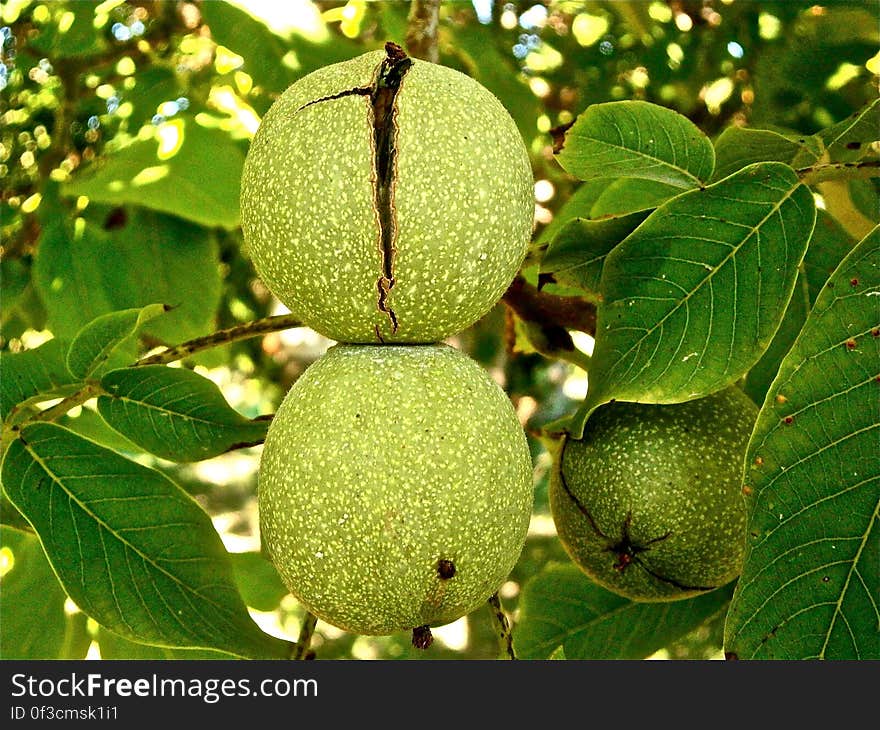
column 209, row 690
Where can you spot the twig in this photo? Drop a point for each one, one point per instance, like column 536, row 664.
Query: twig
column 825, row 171
column 72, row 401
column 421, row 32
column 178, row 352
column 306, row 632
column 505, row 637
column 221, row 337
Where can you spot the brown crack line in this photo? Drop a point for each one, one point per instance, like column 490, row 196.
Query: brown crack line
column 383, row 101
column 356, row 91
column 626, row 551
column 383, row 95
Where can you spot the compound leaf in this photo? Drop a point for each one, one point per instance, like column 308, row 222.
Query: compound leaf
column 828, row 245
column 112, row 646
column 738, row 147
column 108, row 341
column 197, row 178
column 87, row 267
column 33, row 622
column 631, row 194
column 40, row 372
column 575, row 256
column 851, row 139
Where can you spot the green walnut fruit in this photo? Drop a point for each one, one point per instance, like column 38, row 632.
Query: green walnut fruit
column 386, row 199
column 395, row 487
column 649, row 503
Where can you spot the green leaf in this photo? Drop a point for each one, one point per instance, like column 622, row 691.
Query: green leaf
column 68, row 271
column 851, row 139
column 738, row 147
column 70, row 40
column 865, row 196
column 159, row 258
column 759, row 378
column 693, row 297
column 84, row 271
column 560, row 606
column 175, row 413
column 15, row 276
column 33, row 622
column 477, row 47
column 199, row 182
column 109, row 341
column 258, row 581
column 394, row 21
column 152, row 86
column 112, row 646
column 576, row 255
column 40, row 373
column 86, row 422
column 811, row 577
column 261, row 49
column 129, row 546
column 704, row 642
column 631, row 194
column 11, row 517
column 828, row 245
column 578, row 205
column 637, row 139
column 272, row 60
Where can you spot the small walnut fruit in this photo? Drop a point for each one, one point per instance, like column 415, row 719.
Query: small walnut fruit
column 649, row 502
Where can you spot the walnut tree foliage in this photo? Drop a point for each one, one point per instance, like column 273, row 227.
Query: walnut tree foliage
column 707, row 211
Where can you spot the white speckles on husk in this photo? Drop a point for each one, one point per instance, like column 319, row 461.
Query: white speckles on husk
column 381, row 462
column 462, row 196
column 677, row 470
column 307, row 200
column 464, row 200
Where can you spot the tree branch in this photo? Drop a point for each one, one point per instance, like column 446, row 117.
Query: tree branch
column 505, row 637
column 421, row 32
column 185, row 349
column 221, row 337
column 550, row 310
column 826, row 171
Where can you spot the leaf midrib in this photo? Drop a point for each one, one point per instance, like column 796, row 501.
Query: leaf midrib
column 843, row 590
column 129, row 400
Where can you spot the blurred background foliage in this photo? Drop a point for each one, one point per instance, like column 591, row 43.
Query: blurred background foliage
column 124, row 129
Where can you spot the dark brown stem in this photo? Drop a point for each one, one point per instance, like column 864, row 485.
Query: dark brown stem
column 823, row 172
column 550, row 310
column 421, row 32
column 306, row 632
column 422, row 637
column 502, row 627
